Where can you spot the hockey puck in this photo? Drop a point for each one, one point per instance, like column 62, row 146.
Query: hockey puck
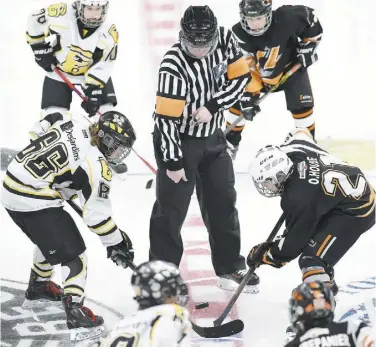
column 149, row 184
column 202, row 305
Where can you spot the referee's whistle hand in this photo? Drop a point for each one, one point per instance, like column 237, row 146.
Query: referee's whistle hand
column 176, row 176
column 202, row 115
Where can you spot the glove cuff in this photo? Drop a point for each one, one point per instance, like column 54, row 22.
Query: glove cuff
column 112, row 239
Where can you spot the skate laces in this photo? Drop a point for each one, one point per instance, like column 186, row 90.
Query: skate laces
column 241, row 273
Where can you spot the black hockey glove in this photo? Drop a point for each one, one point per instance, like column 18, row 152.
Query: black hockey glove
column 306, row 53
column 121, row 252
column 44, row 52
column 94, row 96
column 257, row 253
column 248, row 107
column 259, row 256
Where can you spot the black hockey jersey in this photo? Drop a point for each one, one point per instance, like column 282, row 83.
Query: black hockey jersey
column 273, row 53
column 320, row 184
column 343, row 334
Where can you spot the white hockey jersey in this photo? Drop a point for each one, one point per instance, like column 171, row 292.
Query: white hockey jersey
column 157, row 326
column 56, row 166
column 86, row 55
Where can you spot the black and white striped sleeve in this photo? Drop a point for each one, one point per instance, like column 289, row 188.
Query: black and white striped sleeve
column 170, row 102
column 237, row 76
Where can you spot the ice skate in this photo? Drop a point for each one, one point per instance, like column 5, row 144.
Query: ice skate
column 231, row 282
column 41, row 293
column 81, row 321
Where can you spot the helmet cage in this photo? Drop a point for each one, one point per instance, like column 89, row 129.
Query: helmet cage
column 114, row 150
column 89, row 23
column 273, row 186
column 249, row 10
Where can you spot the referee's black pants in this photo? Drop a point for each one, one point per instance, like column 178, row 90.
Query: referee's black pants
column 208, row 166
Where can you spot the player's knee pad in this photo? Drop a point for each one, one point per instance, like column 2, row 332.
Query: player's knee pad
column 315, row 269
column 74, row 274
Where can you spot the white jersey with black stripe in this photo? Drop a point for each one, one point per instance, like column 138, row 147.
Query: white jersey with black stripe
column 58, row 165
column 157, row 326
column 85, row 55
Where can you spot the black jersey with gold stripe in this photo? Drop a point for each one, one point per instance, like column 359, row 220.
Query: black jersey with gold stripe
column 350, row 333
column 185, row 84
column 273, row 53
column 321, row 186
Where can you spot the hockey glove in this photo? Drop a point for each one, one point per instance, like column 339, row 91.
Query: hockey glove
column 94, row 96
column 257, row 253
column 306, row 52
column 260, row 255
column 248, row 107
column 122, row 252
column 44, row 52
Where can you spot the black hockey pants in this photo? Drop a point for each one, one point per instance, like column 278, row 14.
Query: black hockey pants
column 208, row 166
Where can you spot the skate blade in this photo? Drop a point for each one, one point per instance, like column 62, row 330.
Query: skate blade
column 231, row 286
column 41, row 303
column 80, row 334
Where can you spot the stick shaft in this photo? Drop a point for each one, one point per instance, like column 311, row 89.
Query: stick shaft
column 247, row 277
column 84, row 98
column 284, row 78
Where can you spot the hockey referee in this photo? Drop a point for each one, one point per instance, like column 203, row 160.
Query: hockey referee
column 202, row 75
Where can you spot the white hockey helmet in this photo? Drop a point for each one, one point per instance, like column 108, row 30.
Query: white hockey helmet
column 95, row 21
column 270, row 169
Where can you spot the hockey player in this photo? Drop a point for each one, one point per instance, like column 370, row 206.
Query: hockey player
column 328, row 203
column 311, row 314
column 159, row 321
column 70, row 159
column 77, row 39
column 274, row 41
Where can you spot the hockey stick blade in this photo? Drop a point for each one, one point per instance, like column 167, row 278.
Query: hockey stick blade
column 228, row 329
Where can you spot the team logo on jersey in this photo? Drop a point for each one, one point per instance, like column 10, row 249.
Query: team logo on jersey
column 39, row 327
column 68, row 129
column 302, row 170
column 219, row 70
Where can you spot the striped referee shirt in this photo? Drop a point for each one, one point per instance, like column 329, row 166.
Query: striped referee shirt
column 185, row 84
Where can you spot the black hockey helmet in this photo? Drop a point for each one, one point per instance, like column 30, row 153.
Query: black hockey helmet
column 311, row 305
column 155, row 281
column 252, row 13
column 199, row 31
column 114, row 136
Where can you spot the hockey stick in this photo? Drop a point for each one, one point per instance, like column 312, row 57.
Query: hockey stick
column 284, row 78
column 228, row 329
column 84, row 98
column 217, row 323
